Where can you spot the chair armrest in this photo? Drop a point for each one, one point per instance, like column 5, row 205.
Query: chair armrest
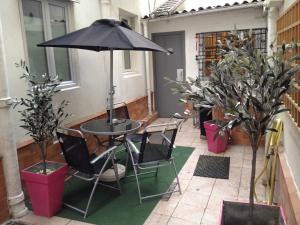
column 103, row 154
column 160, row 126
column 132, row 146
column 167, row 139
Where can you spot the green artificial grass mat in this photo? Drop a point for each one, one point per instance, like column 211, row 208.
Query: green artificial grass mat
column 108, row 207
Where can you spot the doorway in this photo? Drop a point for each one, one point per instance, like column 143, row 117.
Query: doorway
column 172, row 66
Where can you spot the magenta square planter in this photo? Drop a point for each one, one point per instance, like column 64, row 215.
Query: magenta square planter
column 218, row 145
column 45, row 191
column 233, row 213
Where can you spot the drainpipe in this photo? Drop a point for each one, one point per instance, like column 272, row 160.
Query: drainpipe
column 272, row 8
column 8, row 148
column 147, row 65
column 105, row 9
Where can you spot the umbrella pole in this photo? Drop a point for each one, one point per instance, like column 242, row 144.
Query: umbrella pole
column 112, row 91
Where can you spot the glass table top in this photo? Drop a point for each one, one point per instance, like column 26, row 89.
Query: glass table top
column 103, row 127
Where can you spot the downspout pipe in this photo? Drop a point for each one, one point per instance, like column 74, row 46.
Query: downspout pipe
column 8, row 148
column 272, row 9
column 147, row 65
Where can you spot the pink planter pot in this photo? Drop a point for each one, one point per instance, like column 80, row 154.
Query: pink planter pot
column 45, row 191
column 219, row 144
column 233, row 213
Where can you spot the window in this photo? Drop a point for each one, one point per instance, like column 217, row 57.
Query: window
column 127, row 55
column 207, row 49
column 44, row 20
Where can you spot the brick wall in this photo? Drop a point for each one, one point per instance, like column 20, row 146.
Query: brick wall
column 28, row 153
column 4, row 213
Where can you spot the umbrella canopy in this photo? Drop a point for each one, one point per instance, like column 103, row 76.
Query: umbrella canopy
column 103, row 35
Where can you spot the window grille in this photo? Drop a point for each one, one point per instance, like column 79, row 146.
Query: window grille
column 207, row 49
column 288, row 30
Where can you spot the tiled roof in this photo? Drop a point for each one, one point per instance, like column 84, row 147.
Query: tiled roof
column 166, row 8
column 169, row 8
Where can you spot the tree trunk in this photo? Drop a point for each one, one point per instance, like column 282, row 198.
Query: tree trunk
column 42, row 146
column 252, row 184
column 255, row 141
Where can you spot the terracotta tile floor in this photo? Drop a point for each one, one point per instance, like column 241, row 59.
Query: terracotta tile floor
column 201, row 198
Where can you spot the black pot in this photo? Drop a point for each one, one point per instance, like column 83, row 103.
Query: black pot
column 204, row 115
column 237, row 213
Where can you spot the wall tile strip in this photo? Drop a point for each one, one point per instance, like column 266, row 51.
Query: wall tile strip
column 286, row 192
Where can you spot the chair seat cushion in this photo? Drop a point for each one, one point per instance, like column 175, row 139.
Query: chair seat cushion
column 153, row 152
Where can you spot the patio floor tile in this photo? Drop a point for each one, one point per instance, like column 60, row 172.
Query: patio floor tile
column 201, row 185
column 195, row 199
column 39, row 220
column 75, row 222
column 157, row 219
column 167, row 207
column 188, row 213
column 210, row 217
column 178, row 221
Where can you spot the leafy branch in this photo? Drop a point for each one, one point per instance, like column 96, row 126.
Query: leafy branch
column 39, row 117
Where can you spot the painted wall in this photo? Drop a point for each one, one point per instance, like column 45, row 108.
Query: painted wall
column 291, row 143
column 286, row 4
column 221, row 21
column 91, row 68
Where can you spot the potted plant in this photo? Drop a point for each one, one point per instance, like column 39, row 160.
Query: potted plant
column 217, row 139
column 249, row 86
column 45, row 180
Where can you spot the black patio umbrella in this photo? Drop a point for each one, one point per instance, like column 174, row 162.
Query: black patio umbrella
column 105, row 35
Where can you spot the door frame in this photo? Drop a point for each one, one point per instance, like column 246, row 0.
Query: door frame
column 153, row 35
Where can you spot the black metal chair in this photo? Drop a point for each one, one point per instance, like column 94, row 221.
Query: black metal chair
column 155, row 151
column 88, row 167
column 120, row 111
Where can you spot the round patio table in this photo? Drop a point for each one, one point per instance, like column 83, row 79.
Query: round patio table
column 103, row 127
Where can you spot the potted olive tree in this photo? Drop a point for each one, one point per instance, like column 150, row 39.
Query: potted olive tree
column 44, row 180
column 249, row 86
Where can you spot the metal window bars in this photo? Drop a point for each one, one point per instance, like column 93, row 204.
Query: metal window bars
column 207, row 49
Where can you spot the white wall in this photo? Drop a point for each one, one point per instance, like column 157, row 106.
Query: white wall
column 221, row 21
column 291, row 143
column 286, row 4
column 92, row 68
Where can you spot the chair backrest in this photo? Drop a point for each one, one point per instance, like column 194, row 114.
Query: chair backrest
column 120, row 111
column 158, row 139
column 75, row 152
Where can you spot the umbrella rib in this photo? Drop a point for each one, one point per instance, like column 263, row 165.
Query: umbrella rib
column 124, row 36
